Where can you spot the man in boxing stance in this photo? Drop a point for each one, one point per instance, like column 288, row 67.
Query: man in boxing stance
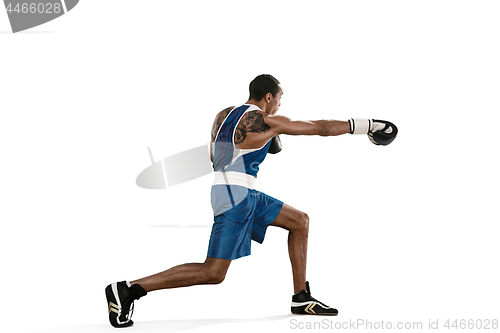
column 241, row 138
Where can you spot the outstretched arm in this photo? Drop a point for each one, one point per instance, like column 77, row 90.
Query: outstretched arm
column 284, row 125
column 380, row 132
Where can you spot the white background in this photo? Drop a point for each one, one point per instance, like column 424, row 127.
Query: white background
column 407, row 232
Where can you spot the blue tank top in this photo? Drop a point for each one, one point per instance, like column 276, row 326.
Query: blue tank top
column 226, row 157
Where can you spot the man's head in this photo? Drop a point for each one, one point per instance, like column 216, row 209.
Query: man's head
column 266, row 89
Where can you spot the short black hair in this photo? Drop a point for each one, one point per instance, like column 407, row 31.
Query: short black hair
column 262, row 85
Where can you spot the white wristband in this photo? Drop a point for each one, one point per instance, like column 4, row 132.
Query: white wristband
column 360, row 126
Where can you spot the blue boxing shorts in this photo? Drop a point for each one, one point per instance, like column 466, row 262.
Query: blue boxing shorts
column 240, row 215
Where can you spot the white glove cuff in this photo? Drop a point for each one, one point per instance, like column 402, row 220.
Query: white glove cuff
column 360, row 126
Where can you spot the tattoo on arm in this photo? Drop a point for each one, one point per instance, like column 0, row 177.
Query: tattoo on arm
column 219, row 119
column 252, row 122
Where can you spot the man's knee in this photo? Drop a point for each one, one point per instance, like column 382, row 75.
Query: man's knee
column 304, row 222
column 215, row 273
column 300, row 223
column 217, row 277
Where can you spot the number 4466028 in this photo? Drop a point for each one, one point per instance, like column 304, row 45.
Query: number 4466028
column 25, row 8
column 472, row 324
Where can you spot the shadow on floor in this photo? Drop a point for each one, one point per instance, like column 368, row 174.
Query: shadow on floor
column 163, row 325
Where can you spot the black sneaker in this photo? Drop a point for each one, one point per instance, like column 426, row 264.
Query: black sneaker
column 121, row 296
column 304, row 303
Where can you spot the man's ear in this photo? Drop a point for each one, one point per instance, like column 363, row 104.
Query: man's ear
column 269, row 96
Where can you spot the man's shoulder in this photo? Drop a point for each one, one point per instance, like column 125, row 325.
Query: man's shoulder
column 225, row 112
column 219, row 119
column 275, row 120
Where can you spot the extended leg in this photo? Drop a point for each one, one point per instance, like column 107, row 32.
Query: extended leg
column 297, row 224
column 212, row 271
column 121, row 295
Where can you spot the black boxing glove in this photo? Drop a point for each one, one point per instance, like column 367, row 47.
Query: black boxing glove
column 275, row 146
column 380, row 132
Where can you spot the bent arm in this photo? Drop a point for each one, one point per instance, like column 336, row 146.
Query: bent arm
column 284, row 125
